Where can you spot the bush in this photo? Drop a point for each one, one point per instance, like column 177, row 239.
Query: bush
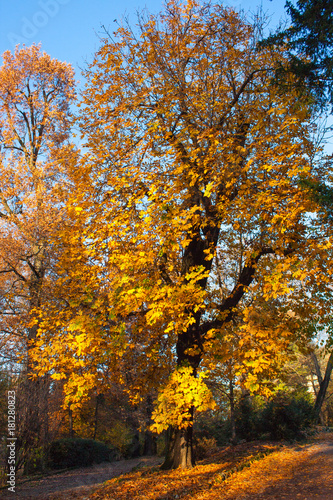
column 247, row 416
column 120, row 436
column 205, row 447
column 36, row 461
column 285, row 417
column 65, row 453
column 212, row 425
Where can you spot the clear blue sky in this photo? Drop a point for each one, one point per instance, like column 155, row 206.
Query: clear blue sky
column 68, row 29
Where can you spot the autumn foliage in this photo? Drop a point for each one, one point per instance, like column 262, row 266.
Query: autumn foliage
column 185, row 236
column 35, row 95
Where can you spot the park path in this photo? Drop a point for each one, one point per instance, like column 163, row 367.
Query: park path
column 76, row 483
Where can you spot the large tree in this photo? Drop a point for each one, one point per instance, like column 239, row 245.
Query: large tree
column 35, row 94
column 309, row 40
column 193, row 164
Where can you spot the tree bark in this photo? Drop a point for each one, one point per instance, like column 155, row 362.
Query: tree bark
column 32, row 418
column 70, row 417
column 232, row 411
column 150, row 444
column 33, row 393
column 317, row 368
column 179, row 449
column 323, row 387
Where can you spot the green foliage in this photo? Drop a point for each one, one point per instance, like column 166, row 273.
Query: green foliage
column 247, row 417
column 36, row 461
column 312, row 31
column 285, row 417
column 65, row 453
column 212, row 425
column 135, row 447
column 310, row 34
column 120, row 436
column 322, row 194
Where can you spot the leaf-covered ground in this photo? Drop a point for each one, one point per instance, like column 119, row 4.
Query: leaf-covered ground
column 251, row 471
column 292, row 472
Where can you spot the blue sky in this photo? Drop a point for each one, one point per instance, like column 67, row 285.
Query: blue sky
column 68, row 29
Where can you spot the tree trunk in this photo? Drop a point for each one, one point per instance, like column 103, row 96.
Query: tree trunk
column 179, row 449
column 150, row 444
column 71, row 430
column 180, row 440
column 317, row 367
column 99, row 400
column 32, row 418
column 323, row 387
column 33, row 393
column 232, row 411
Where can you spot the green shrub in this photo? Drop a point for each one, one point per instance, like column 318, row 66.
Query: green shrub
column 285, row 417
column 65, row 453
column 36, row 461
column 212, row 425
column 247, row 416
column 119, row 436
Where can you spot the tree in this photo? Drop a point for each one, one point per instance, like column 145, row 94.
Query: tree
column 309, row 43
column 194, row 156
column 323, row 386
column 309, row 40
column 35, row 94
column 312, row 33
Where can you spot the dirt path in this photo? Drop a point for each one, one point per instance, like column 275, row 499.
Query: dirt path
column 76, row 483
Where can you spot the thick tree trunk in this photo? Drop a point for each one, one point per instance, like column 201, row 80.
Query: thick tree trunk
column 323, row 387
column 179, row 449
column 180, row 443
column 180, row 440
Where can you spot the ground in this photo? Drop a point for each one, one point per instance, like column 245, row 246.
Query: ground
column 249, row 471
column 75, row 482
column 304, row 473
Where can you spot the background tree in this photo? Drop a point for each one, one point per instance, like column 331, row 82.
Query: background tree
column 189, row 145
column 309, row 40
column 35, row 94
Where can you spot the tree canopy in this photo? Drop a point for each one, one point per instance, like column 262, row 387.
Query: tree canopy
column 309, row 40
column 187, row 204
column 35, row 95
